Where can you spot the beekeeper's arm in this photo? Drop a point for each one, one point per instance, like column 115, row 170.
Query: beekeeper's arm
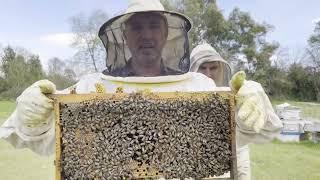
column 31, row 124
column 256, row 119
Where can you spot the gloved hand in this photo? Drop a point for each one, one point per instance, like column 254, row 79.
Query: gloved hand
column 34, row 108
column 252, row 102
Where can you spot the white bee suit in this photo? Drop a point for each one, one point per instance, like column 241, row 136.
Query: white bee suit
column 41, row 138
column 269, row 124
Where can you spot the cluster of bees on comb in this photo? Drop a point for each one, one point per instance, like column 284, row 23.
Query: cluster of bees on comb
column 139, row 135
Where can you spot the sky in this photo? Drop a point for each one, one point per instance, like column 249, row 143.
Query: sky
column 293, row 20
column 42, row 27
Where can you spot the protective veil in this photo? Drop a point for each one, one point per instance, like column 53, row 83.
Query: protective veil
column 175, row 55
column 204, row 53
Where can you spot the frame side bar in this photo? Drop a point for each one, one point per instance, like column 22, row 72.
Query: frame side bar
column 58, row 139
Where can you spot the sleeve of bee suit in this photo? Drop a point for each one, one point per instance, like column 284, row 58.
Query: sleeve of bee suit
column 270, row 130
column 271, row 124
column 39, row 139
column 31, row 123
column 43, row 142
column 256, row 119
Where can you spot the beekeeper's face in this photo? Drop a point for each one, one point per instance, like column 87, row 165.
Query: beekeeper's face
column 210, row 69
column 146, row 35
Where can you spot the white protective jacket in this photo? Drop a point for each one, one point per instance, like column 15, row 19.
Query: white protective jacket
column 44, row 143
column 205, row 53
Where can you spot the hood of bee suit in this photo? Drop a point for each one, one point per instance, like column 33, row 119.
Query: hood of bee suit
column 204, row 53
column 175, row 54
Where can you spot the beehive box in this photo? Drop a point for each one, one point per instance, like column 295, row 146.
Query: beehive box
column 144, row 135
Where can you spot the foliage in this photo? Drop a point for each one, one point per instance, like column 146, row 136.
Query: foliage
column 277, row 83
column 60, row 74
column 314, row 39
column 19, row 71
column 312, row 63
column 237, row 38
column 313, row 51
column 3, row 84
column 306, row 83
column 242, row 41
column 34, row 68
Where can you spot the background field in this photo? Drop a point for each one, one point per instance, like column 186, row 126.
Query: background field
column 21, row 164
column 272, row 161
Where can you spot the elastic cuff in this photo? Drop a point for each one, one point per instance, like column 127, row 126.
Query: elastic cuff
column 35, row 133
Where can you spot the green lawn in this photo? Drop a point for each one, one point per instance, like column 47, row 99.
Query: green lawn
column 292, row 161
column 272, row 161
column 6, row 107
column 21, row 164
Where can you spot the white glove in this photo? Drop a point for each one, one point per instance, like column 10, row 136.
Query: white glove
column 252, row 102
column 34, row 109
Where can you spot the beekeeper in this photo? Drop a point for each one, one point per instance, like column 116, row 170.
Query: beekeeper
column 256, row 126
column 147, row 48
column 205, row 59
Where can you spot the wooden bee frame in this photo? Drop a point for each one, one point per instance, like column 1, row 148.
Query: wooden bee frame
column 78, row 98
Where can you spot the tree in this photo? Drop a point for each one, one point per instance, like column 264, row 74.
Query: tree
column 69, row 74
column 20, row 69
column 8, row 57
column 314, row 39
column 314, row 47
column 311, row 62
column 55, row 66
column 86, row 41
column 205, row 16
column 239, row 38
column 3, row 85
column 232, row 36
column 303, row 86
column 60, row 74
column 34, row 68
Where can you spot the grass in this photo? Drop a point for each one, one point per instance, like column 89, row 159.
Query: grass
column 21, row 164
column 278, row 161
column 311, row 110
column 6, row 107
column 272, row 161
